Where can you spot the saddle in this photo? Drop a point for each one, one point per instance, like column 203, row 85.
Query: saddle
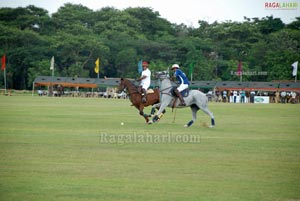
column 144, row 93
column 150, row 91
column 184, row 93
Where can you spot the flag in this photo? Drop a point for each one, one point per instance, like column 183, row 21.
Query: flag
column 3, row 62
column 97, row 62
column 140, row 66
column 295, row 68
column 239, row 70
column 52, row 63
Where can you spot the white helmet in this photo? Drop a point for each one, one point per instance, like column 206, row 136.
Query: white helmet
column 175, row 66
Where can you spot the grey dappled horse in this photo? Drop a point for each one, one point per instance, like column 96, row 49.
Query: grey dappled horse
column 195, row 100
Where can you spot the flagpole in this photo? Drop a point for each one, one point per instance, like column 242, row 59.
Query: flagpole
column 191, row 69
column 4, row 79
column 240, row 71
column 32, row 93
column 52, row 78
column 52, row 81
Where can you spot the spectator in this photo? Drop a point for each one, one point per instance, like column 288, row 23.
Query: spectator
column 243, row 95
column 40, row 92
column 277, row 97
column 234, row 96
column 252, row 94
column 224, row 96
column 283, row 96
column 218, row 96
column 293, row 98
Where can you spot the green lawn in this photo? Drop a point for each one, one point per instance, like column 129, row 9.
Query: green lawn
column 51, row 149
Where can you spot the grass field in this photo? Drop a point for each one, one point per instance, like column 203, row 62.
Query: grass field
column 52, row 149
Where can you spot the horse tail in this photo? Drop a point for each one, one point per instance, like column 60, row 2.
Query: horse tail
column 206, row 100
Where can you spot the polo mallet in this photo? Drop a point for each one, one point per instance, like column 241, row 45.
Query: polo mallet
column 174, row 116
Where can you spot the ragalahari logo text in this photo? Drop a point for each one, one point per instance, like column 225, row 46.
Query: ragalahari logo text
column 282, row 5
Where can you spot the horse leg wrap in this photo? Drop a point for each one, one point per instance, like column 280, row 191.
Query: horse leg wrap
column 190, row 123
column 212, row 122
column 155, row 118
column 152, row 111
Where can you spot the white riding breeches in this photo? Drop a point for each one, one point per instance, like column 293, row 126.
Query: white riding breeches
column 182, row 87
column 145, row 86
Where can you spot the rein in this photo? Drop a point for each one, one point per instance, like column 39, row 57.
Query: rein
column 167, row 93
column 133, row 92
column 131, row 88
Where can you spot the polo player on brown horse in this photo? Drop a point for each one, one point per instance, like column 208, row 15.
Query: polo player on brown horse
column 136, row 97
column 145, row 81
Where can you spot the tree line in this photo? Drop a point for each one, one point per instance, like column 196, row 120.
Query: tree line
column 76, row 36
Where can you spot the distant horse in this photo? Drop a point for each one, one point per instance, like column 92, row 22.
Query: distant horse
column 136, row 97
column 196, row 100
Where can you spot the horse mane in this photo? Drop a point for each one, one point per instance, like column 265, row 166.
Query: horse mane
column 130, row 83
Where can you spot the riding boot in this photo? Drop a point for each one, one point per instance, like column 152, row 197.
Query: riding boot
column 178, row 94
column 144, row 95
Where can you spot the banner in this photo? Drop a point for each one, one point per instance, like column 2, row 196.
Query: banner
column 295, row 68
column 261, row 99
column 52, row 63
column 140, row 66
column 239, row 69
column 3, row 62
column 97, row 62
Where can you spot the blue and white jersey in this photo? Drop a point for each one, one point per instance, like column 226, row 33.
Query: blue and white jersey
column 181, row 77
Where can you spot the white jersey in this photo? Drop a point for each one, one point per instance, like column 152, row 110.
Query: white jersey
column 145, row 83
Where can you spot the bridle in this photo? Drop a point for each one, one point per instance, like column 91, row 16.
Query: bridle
column 134, row 88
column 162, row 90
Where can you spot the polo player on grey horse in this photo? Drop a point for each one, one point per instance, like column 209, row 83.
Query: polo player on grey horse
column 183, row 83
column 196, row 100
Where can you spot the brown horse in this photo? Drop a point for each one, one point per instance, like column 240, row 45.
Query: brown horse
column 136, row 97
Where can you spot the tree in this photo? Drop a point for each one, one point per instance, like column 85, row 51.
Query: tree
column 77, row 36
